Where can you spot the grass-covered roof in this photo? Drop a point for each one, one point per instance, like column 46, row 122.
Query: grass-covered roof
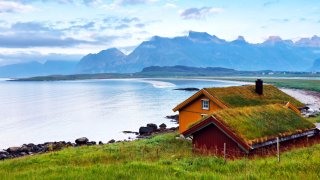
column 261, row 123
column 240, row 96
column 257, row 124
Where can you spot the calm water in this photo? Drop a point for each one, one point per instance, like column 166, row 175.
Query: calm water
column 38, row 112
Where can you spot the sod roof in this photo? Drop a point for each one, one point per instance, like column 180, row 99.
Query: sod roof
column 240, row 96
column 261, row 123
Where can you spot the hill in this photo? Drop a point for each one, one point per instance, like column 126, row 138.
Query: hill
column 316, row 66
column 200, row 49
column 161, row 157
column 38, row 69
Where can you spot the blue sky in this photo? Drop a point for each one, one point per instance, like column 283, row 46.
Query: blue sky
column 67, row 29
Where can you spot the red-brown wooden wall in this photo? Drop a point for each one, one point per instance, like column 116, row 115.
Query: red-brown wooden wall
column 211, row 140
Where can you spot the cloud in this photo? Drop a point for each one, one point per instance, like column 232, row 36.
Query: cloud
column 36, row 34
column 122, row 26
column 132, row 2
column 171, row 5
column 284, row 20
column 269, row 3
column 83, row 2
column 14, row 7
column 26, row 41
column 140, row 25
column 199, row 13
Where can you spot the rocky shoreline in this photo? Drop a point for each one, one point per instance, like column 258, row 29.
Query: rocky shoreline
column 32, row 149
column 310, row 98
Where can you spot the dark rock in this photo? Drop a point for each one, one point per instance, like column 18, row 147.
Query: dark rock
column 187, row 89
column 130, row 132
column 91, row 143
column 111, row 141
column 100, row 143
column 23, row 154
column 3, row 156
column 153, row 126
column 163, row 126
column 25, row 148
column 175, row 117
column 174, row 128
column 145, row 130
column 82, row 141
column 14, row 150
column 4, row 152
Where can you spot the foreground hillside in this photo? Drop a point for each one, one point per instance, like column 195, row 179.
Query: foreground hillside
column 161, row 157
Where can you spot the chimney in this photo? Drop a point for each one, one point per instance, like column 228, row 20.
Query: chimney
column 259, row 86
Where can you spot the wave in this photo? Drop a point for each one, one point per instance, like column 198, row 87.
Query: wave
column 158, row 84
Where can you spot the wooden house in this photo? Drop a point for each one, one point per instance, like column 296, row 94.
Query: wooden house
column 245, row 130
column 209, row 100
column 242, row 118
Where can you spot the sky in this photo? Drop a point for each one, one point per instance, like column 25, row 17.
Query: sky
column 40, row 30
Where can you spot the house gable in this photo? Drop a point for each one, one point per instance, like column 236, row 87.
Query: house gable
column 193, row 111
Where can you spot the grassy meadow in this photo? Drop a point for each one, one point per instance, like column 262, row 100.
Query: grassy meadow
column 306, row 84
column 161, row 157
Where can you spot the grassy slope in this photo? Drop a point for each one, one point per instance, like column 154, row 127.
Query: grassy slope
column 174, row 160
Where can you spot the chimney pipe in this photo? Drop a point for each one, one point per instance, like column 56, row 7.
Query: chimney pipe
column 259, row 86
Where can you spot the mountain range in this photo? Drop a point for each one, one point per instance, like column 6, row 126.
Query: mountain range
column 200, row 49
column 197, row 49
column 38, row 69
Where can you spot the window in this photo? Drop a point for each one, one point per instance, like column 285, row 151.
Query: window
column 205, row 104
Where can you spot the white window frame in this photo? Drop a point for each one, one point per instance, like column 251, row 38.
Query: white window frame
column 202, row 104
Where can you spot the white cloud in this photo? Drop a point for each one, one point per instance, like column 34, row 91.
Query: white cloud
column 132, row 2
column 170, row 5
column 199, row 13
column 14, row 7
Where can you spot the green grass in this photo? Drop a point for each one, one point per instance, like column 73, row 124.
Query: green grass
column 162, row 157
column 306, row 84
column 261, row 123
column 240, row 96
column 314, row 119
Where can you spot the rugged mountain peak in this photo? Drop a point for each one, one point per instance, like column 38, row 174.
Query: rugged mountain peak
column 112, row 51
column 314, row 41
column 204, row 37
column 277, row 40
column 273, row 39
column 239, row 40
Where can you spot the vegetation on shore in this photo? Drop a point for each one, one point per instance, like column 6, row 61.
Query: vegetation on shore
column 305, row 84
column 161, row 157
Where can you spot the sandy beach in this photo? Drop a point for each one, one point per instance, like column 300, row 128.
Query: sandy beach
column 310, row 98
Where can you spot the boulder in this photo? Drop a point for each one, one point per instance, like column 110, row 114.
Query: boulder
column 111, row 141
column 163, row 126
column 153, row 126
column 82, row 141
column 13, row 150
column 25, row 148
column 3, row 156
column 145, row 130
column 91, row 143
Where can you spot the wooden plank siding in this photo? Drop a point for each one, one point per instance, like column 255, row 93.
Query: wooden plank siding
column 192, row 113
column 211, row 139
